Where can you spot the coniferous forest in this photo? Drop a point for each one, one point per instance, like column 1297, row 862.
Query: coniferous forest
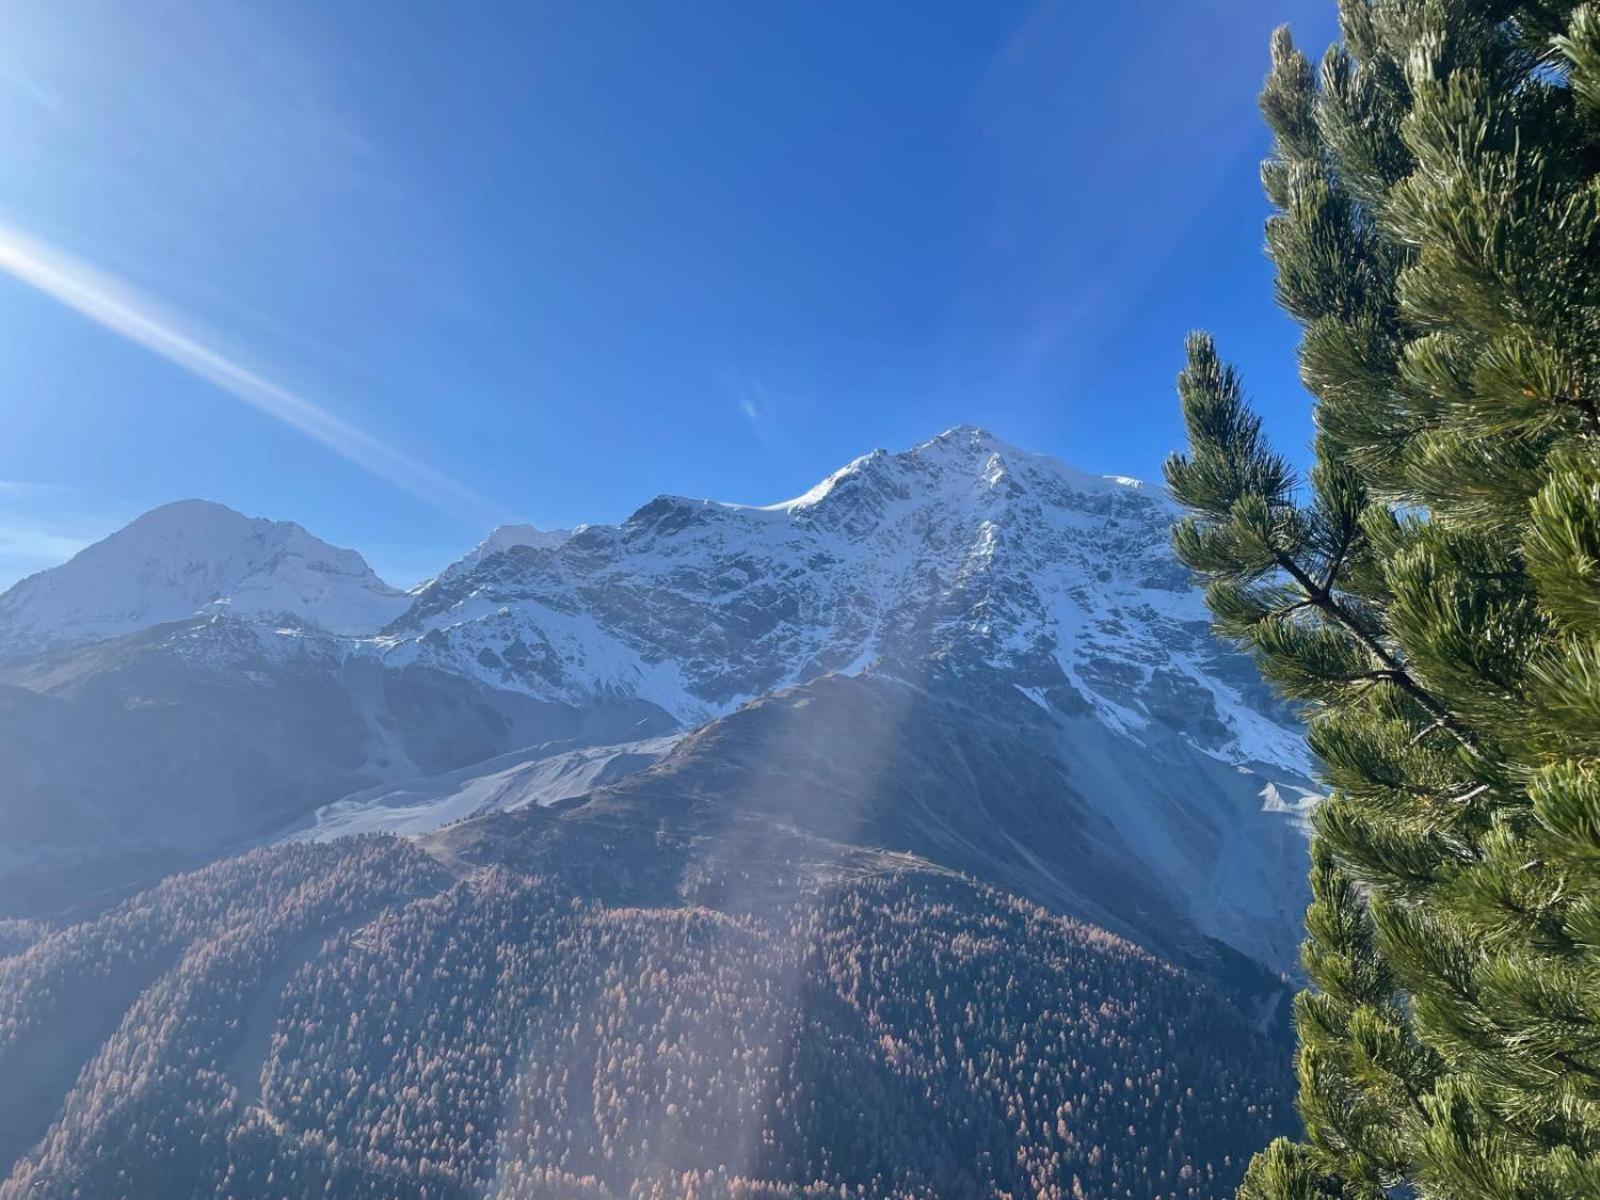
column 354, row 1020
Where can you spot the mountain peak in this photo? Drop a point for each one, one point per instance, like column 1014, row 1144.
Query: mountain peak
column 976, row 447
column 502, row 538
column 182, row 519
column 965, row 432
column 191, row 509
column 188, row 558
column 961, row 549
column 963, row 461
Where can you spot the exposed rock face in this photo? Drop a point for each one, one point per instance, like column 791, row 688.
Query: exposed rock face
column 501, row 539
column 963, row 650
column 746, row 852
column 1151, row 837
column 962, row 551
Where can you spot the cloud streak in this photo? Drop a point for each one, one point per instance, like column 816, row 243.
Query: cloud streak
column 24, row 546
column 118, row 308
column 42, row 524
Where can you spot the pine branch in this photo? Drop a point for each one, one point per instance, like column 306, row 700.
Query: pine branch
column 1572, row 1064
column 1417, row 737
column 1324, row 601
column 1336, row 560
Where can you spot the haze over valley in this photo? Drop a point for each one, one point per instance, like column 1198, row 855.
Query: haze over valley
column 949, row 729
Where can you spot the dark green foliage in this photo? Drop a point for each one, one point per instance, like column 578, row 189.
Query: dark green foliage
column 1432, row 598
column 897, row 1034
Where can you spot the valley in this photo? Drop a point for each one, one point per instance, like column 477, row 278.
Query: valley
column 845, row 808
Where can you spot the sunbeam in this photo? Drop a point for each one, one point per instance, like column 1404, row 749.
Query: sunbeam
column 116, row 306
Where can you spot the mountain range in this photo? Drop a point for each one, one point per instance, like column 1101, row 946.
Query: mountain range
column 199, row 678
column 963, row 676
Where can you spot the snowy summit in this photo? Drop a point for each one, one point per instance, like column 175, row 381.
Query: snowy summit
column 190, row 558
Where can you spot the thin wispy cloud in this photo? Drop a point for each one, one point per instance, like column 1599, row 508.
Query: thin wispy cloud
column 118, row 308
column 30, row 547
column 43, row 524
column 750, row 395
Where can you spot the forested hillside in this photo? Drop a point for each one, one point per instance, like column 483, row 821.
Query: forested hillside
column 351, row 1019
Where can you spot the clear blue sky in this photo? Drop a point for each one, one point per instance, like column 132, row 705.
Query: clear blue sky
column 400, row 270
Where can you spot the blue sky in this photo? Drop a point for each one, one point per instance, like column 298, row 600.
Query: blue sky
column 399, row 271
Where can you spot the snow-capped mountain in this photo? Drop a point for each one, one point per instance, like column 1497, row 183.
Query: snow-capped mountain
column 963, row 552
column 500, row 539
column 834, row 750
column 963, row 650
column 190, row 558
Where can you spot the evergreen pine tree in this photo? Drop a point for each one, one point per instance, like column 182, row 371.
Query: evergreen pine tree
column 1431, row 595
